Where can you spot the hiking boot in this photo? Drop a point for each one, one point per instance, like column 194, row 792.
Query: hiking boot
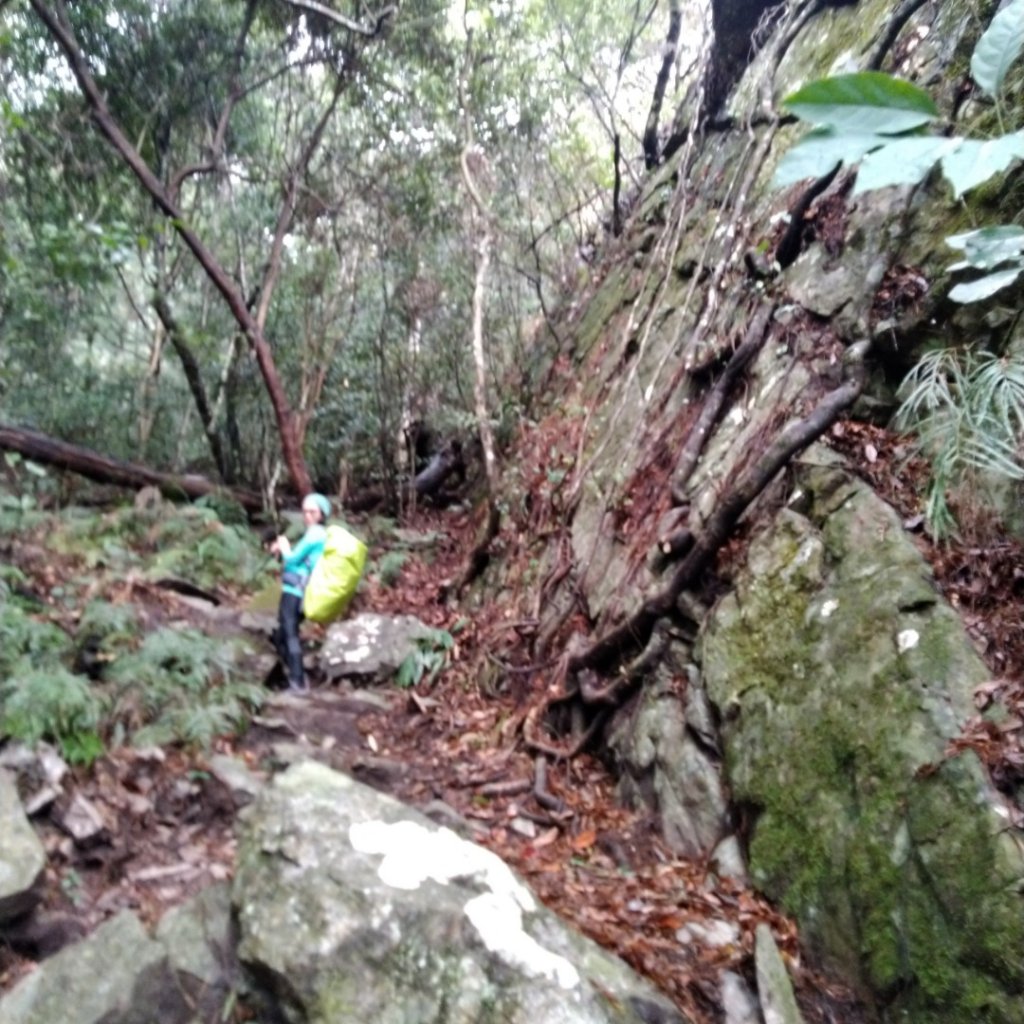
column 298, row 686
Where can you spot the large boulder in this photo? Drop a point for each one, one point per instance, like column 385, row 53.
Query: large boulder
column 841, row 676
column 370, row 648
column 22, row 858
column 353, row 908
column 120, row 975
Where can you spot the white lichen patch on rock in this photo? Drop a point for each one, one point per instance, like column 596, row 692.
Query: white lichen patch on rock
column 412, row 854
column 499, row 922
column 907, row 640
column 828, row 608
column 357, row 653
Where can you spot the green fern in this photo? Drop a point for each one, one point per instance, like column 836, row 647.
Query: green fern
column 427, row 659
column 210, row 555
column 181, row 686
column 390, row 566
column 966, row 409
column 114, row 624
column 23, row 636
column 52, row 703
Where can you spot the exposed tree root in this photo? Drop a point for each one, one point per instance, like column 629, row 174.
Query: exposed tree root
column 542, row 794
column 900, row 17
column 789, row 245
column 672, row 548
column 634, row 633
column 480, row 556
column 536, row 745
column 711, row 410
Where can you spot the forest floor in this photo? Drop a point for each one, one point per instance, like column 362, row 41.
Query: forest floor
column 452, row 748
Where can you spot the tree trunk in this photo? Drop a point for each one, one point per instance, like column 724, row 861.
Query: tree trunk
column 88, row 463
column 651, row 147
column 290, row 448
column 194, row 377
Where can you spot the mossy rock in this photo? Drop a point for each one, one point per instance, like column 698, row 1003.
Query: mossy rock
column 837, row 649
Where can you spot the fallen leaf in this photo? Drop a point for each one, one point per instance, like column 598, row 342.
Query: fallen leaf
column 585, row 840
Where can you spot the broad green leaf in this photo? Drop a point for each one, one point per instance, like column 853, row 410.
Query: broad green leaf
column 819, row 151
column 974, row 291
column 901, row 162
column 864, row 103
column 974, row 162
column 998, row 48
column 988, row 247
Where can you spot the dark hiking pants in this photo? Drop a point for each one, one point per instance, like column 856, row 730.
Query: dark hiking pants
column 287, row 641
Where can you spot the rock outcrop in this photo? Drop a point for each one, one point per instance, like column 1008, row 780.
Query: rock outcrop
column 354, row 908
column 346, row 907
column 895, row 854
column 837, row 672
column 22, row 857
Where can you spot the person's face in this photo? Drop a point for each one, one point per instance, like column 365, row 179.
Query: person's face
column 310, row 514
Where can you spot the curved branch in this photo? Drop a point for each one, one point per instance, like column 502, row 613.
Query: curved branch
column 235, row 93
column 338, row 18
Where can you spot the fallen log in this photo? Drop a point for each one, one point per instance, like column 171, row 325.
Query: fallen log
column 74, row 458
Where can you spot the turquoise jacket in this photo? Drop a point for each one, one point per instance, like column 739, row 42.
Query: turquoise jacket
column 299, row 564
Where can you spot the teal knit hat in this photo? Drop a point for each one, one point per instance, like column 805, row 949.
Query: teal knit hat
column 321, row 503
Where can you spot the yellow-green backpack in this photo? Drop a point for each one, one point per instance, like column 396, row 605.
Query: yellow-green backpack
column 335, row 576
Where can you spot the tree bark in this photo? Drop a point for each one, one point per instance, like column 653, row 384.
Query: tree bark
column 91, row 464
column 293, row 457
column 668, row 58
column 194, row 377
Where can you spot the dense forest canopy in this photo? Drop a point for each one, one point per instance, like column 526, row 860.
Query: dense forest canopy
column 243, row 238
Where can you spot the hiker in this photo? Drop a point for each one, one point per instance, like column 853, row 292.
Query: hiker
column 296, row 565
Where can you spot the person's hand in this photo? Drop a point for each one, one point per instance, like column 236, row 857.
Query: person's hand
column 282, row 546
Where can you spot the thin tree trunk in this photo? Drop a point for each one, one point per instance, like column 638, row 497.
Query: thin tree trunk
column 668, row 58
column 194, row 377
column 58, row 28
column 483, row 261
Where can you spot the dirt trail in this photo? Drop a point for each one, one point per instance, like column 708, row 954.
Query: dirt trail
column 452, row 750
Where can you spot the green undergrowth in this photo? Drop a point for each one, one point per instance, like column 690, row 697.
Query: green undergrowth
column 84, row 668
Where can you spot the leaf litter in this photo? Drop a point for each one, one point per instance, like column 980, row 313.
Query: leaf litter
column 450, row 747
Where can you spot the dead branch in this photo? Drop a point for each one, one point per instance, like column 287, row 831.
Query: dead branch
column 512, row 787
column 91, row 464
column 374, row 28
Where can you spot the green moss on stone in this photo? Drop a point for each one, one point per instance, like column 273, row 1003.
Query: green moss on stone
column 893, row 872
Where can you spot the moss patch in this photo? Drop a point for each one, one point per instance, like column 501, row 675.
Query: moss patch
column 835, row 649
